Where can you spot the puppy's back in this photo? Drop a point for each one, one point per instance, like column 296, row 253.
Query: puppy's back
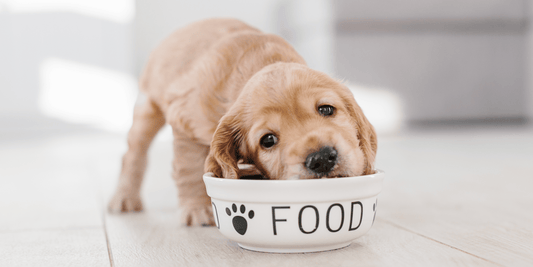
column 177, row 54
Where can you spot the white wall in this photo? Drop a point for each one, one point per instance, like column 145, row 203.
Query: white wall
column 48, row 49
column 448, row 60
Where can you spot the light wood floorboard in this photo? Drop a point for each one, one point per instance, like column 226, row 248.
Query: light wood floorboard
column 46, row 184
column 472, row 192
column 155, row 238
column 73, row 247
column 450, row 198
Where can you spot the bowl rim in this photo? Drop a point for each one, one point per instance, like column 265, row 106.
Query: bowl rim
column 294, row 191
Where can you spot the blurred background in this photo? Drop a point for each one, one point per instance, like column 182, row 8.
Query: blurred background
column 74, row 64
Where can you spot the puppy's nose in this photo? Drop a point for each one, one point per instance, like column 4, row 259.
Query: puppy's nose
column 322, row 161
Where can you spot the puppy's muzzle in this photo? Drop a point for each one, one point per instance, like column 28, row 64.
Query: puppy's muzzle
column 322, row 161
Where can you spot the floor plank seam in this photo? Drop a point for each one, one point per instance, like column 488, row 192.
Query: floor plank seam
column 108, row 244
column 440, row 242
column 103, row 208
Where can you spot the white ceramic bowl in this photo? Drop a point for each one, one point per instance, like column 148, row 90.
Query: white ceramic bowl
column 290, row 216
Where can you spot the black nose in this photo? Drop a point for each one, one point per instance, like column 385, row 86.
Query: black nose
column 322, row 161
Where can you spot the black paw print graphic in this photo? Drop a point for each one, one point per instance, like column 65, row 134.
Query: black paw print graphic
column 239, row 222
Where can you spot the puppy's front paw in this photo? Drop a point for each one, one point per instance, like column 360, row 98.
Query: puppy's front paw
column 198, row 216
column 125, row 202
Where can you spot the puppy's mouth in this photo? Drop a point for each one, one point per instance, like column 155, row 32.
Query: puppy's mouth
column 297, row 170
column 305, row 176
column 329, row 175
column 301, row 176
column 253, row 177
column 337, row 172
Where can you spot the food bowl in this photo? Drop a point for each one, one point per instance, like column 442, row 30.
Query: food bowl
column 292, row 216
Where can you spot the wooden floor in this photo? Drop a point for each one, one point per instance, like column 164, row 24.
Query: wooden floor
column 450, row 198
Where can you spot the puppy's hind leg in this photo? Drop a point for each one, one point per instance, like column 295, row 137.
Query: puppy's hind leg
column 147, row 121
column 189, row 158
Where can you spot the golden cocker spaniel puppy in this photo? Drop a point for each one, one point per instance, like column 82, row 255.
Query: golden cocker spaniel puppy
column 233, row 95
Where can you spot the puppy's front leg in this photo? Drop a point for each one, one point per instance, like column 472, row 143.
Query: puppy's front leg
column 147, row 121
column 189, row 158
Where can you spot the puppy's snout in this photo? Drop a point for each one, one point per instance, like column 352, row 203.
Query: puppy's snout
column 322, row 161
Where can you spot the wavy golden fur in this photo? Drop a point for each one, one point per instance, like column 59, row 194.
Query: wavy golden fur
column 222, row 85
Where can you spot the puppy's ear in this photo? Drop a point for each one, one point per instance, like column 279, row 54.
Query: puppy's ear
column 365, row 133
column 224, row 152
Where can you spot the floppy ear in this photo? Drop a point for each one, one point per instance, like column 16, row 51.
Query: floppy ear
column 365, row 133
column 223, row 154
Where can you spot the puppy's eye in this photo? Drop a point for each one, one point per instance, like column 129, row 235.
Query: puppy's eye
column 326, row 110
column 268, row 140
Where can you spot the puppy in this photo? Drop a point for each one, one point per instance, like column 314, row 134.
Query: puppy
column 233, row 95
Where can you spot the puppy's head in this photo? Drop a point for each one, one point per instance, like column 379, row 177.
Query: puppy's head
column 292, row 122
